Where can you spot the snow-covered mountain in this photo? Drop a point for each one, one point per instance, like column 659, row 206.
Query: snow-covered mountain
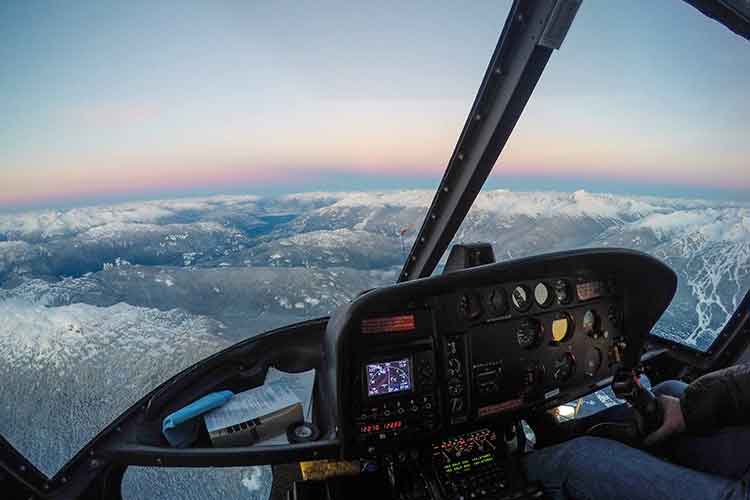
column 72, row 369
column 106, row 294
column 709, row 248
column 67, row 371
column 246, row 300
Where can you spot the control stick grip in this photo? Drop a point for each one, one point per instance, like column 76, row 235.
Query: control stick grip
column 626, row 385
column 649, row 407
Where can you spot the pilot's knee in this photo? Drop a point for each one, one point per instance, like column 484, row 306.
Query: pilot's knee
column 673, row 388
column 565, row 459
column 582, row 450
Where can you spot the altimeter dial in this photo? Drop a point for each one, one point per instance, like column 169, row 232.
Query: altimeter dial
column 521, row 298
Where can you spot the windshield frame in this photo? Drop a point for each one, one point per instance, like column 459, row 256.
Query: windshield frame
column 532, row 31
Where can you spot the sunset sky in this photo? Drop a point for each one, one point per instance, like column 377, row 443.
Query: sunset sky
column 103, row 101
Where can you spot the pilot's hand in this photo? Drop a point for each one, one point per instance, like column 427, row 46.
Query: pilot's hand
column 673, row 421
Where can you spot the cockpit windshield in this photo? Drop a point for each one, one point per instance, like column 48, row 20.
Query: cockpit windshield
column 176, row 178
column 634, row 138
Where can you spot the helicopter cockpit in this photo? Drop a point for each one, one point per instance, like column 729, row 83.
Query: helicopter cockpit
column 432, row 371
column 424, row 383
column 423, row 388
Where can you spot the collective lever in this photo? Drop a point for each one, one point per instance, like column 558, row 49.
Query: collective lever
column 627, row 385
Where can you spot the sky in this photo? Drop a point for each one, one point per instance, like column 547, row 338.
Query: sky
column 107, row 101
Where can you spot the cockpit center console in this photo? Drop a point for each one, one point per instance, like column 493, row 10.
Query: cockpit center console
column 398, row 384
column 433, row 376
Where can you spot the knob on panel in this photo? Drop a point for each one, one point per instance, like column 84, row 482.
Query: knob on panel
column 562, row 291
column 454, row 364
column 593, row 362
column 457, row 405
column 533, row 376
column 564, row 367
column 528, row 333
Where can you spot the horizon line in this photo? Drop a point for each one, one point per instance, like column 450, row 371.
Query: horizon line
column 673, row 192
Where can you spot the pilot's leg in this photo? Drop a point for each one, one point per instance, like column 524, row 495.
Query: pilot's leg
column 725, row 453
column 673, row 388
column 590, row 468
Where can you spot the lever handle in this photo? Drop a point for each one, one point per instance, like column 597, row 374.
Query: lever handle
column 649, row 407
column 626, row 385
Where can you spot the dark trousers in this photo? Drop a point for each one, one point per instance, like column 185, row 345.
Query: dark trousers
column 715, row 466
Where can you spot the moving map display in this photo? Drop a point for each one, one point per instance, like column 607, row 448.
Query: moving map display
column 388, row 377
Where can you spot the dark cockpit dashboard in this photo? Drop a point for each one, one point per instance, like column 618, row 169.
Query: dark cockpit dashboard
column 425, row 380
column 425, row 360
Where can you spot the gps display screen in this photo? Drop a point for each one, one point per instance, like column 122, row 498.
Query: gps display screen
column 388, row 377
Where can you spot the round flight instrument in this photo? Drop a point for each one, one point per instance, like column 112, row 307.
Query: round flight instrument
column 562, row 291
column 562, row 327
column 521, row 298
column 590, row 324
column 543, row 294
column 528, row 333
column 593, row 362
column 564, row 367
column 498, row 301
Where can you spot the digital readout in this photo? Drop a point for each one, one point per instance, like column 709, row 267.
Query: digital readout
column 379, row 427
column 388, row 377
column 468, row 464
column 389, row 324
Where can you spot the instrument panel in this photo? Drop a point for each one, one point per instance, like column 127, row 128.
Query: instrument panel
column 501, row 354
column 455, row 352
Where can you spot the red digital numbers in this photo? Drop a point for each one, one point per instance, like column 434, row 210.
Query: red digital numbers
column 387, row 426
column 389, row 324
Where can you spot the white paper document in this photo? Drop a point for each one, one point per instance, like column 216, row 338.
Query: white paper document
column 302, row 385
column 251, row 404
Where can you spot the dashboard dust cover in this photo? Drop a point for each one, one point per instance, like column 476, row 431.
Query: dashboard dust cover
column 253, row 416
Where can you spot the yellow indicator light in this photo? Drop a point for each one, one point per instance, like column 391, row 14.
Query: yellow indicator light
column 560, row 328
